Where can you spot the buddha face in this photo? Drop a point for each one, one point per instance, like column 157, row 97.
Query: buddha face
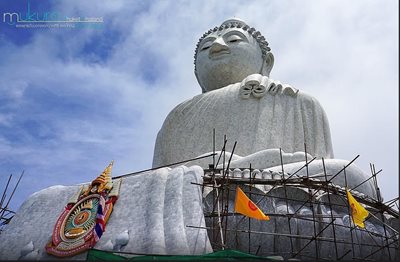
column 226, row 57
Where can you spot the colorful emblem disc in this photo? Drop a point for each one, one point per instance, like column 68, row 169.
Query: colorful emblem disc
column 81, row 219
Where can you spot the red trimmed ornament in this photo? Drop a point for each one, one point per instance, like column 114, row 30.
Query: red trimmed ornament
column 82, row 222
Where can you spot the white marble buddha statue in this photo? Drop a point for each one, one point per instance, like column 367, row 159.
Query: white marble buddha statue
column 232, row 65
column 266, row 118
column 271, row 122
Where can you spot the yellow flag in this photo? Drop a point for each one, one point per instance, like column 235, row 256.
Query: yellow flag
column 245, row 206
column 358, row 212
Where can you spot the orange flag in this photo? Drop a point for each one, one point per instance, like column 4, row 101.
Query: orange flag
column 358, row 212
column 245, row 206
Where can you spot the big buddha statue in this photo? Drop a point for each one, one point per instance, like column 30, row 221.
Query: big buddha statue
column 239, row 100
column 278, row 130
column 232, row 65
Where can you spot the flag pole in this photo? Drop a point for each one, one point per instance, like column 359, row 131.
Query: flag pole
column 330, row 208
column 249, row 217
column 215, row 188
column 219, row 218
column 380, row 200
column 350, row 217
column 311, row 204
column 286, row 200
column 226, row 182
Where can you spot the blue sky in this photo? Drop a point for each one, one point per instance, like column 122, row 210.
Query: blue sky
column 73, row 99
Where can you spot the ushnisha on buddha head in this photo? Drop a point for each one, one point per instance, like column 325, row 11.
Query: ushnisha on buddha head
column 227, row 54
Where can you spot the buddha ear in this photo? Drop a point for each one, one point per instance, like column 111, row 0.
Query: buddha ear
column 198, row 80
column 268, row 63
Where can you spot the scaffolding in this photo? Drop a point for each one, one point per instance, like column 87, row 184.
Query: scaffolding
column 310, row 215
column 6, row 214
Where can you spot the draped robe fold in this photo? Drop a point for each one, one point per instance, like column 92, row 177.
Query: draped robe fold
column 272, row 121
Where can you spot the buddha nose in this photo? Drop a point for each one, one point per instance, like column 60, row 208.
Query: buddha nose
column 218, row 45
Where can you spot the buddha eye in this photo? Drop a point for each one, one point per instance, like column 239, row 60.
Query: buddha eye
column 206, row 45
column 234, row 39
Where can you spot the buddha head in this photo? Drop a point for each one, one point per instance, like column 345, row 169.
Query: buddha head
column 229, row 53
